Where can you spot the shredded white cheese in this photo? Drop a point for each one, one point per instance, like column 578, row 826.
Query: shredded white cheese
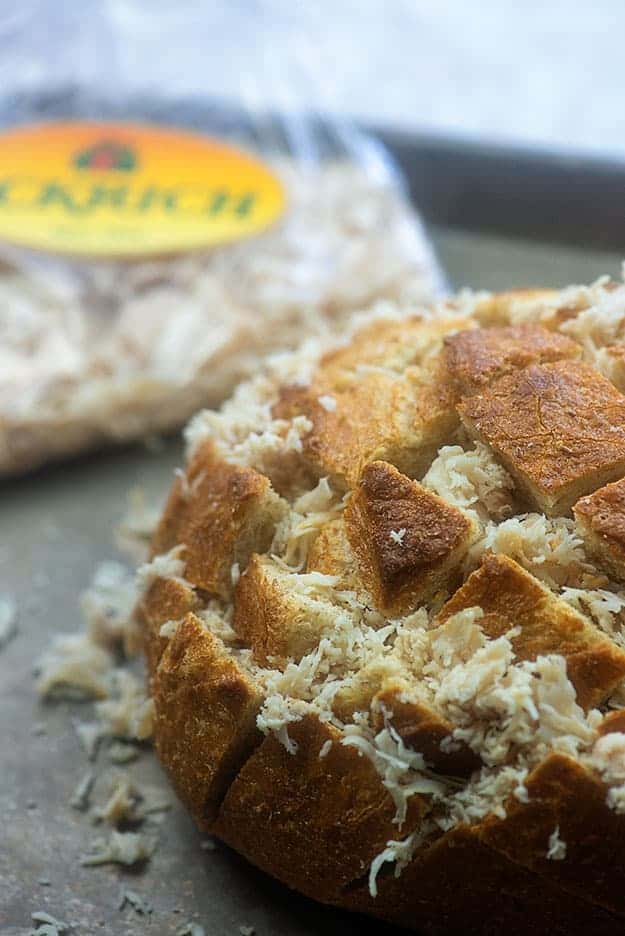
column 108, row 606
column 608, row 758
column 403, row 770
column 549, row 548
column 124, row 848
column 137, row 526
column 89, row 734
column 327, row 402
column 168, row 629
column 128, row 713
column 8, row 620
column 398, row 853
column 604, row 607
column 47, row 925
column 142, row 906
column 556, row 850
column 472, row 480
column 80, row 798
column 169, row 565
column 191, row 929
column 74, row 667
column 297, row 530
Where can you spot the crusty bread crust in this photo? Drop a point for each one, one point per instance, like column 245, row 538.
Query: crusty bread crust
column 511, row 597
column 275, row 623
column 401, row 413
column 407, row 541
column 205, row 717
column 460, row 886
column 478, row 356
column 284, row 773
column 562, row 793
column 165, row 600
column 314, row 822
column 559, row 429
column 601, row 520
column 221, row 513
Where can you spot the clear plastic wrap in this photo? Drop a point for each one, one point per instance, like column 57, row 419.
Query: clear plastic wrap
column 98, row 350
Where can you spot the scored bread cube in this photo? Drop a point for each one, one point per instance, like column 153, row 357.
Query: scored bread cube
column 405, row 507
column 478, row 356
column 456, row 885
column 563, row 794
column 222, row 513
column 408, row 542
column 205, row 717
column 512, row 598
column 387, row 344
column 559, row 429
column 385, row 396
column 403, row 419
column 399, row 701
column 331, row 554
column 601, row 521
column 422, row 728
column 167, row 599
column 315, row 818
column 278, row 614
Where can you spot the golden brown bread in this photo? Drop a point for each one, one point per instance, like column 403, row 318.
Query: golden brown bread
column 397, row 543
column 400, row 419
column 563, row 794
column 273, row 620
column 362, row 698
column 314, row 822
column 479, row 356
column 601, row 521
column 222, row 514
column 205, row 717
column 613, row 722
column 511, row 598
column 391, row 400
column 559, row 429
column 165, row 600
column 459, row 886
column 407, row 541
column 386, row 344
column 331, row 554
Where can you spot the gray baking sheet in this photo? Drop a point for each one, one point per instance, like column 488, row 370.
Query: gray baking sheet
column 54, row 528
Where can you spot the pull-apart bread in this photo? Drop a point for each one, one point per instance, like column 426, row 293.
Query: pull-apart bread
column 385, row 616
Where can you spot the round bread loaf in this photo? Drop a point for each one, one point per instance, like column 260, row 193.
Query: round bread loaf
column 384, row 616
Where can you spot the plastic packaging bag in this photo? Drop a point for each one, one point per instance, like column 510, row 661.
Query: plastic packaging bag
column 102, row 348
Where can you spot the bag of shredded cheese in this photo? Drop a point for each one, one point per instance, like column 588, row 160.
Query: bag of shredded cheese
column 153, row 249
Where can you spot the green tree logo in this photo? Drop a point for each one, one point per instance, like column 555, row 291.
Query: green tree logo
column 106, row 155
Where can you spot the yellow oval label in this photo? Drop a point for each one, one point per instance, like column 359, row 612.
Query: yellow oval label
column 105, row 189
